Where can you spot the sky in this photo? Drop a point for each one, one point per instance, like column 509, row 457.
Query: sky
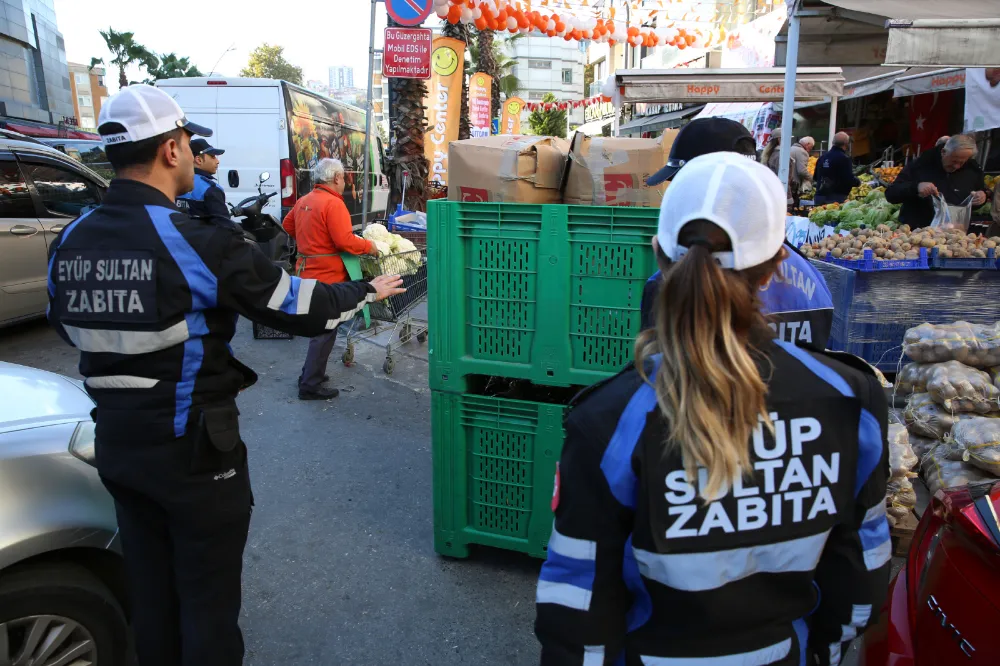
column 316, row 34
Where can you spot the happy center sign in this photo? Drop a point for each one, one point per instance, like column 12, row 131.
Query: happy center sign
column 444, row 104
column 510, row 122
column 480, row 103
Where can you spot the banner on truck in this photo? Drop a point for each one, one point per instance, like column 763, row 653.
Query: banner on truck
column 444, row 104
column 480, row 104
column 510, row 121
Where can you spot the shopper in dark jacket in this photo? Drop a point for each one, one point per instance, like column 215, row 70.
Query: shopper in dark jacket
column 834, row 175
column 951, row 171
column 723, row 501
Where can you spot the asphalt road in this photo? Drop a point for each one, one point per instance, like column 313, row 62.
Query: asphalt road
column 340, row 566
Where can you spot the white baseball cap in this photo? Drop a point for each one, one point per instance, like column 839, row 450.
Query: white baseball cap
column 144, row 112
column 742, row 197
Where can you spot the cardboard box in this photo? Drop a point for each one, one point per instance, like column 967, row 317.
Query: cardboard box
column 508, row 168
column 609, row 171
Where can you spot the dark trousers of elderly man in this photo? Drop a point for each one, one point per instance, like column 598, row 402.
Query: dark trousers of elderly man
column 321, row 226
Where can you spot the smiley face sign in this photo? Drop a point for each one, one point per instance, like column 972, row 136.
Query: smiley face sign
column 513, row 107
column 444, row 61
column 481, row 80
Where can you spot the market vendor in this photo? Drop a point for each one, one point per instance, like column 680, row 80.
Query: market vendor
column 951, row 171
column 796, row 297
column 834, row 175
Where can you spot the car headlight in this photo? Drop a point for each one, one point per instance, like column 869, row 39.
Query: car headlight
column 82, row 444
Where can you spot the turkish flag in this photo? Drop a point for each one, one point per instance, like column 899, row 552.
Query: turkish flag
column 929, row 118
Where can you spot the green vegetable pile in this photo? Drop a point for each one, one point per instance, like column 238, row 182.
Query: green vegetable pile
column 869, row 212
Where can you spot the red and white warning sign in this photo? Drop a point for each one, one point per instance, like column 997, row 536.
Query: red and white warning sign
column 407, row 53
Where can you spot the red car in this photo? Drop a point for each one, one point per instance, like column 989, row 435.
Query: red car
column 943, row 607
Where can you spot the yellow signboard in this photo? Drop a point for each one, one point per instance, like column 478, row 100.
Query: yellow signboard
column 510, row 121
column 444, row 104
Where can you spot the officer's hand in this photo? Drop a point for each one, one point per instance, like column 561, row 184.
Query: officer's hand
column 927, row 189
column 978, row 198
column 387, row 285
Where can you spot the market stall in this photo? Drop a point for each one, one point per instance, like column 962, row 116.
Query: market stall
column 751, row 87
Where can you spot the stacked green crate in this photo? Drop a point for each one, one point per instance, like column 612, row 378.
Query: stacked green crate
column 547, row 294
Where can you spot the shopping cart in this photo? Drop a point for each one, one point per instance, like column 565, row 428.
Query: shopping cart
column 395, row 310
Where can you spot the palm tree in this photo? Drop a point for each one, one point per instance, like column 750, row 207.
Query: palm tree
column 460, row 31
column 408, row 149
column 497, row 64
column 126, row 51
column 172, row 67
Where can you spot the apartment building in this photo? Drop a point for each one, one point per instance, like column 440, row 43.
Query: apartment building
column 89, row 93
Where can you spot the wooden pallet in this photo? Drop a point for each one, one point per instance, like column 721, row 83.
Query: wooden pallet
column 902, row 534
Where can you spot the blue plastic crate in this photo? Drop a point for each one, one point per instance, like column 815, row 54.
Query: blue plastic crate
column 977, row 264
column 395, row 227
column 873, row 310
column 870, row 265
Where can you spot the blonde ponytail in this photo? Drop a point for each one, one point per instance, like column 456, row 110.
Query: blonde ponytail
column 708, row 387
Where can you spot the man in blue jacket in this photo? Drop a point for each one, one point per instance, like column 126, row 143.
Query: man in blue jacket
column 834, row 175
column 797, row 296
column 207, row 199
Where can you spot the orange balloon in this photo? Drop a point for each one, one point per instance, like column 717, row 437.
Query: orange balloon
column 633, row 31
column 690, row 39
column 502, row 16
column 682, row 45
column 555, row 17
column 568, row 36
column 611, row 42
column 471, row 4
column 454, row 14
column 560, row 26
column 481, row 24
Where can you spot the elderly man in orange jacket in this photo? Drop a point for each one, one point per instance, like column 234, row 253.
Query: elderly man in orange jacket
column 321, row 226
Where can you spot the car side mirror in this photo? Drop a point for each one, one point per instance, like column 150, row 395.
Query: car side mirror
column 234, row 178
column 266, row 176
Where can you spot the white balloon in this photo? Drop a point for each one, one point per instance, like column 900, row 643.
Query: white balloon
column 511, row 22
column 550, row 26
column 477, row 14
column 466, row 15
column 442, row 11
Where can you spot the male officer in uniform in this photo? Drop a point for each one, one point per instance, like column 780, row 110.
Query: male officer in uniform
column 149, row 295
column 207, row 199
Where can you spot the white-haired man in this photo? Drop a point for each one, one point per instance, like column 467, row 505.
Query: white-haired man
column 321, row 226
column 950, row 171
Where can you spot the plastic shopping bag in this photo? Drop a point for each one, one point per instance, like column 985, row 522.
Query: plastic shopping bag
column 947, row 216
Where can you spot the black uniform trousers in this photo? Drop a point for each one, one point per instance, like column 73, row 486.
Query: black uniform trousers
column 183, row 533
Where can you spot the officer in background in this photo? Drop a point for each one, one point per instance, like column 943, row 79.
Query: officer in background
column 796, row 297
column 149, row 294
column 207, row 199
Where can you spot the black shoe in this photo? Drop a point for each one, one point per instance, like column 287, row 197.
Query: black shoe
column 322, row 393
column 326, row 378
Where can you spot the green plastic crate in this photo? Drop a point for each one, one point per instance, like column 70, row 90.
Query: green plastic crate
column 548, row 293
column 494, row 466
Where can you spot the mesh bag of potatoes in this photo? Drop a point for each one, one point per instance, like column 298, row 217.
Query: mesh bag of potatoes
column 900, row 498
column 977, row 345
column 925, row 418
column 941, row 472
column 921, row 446
column 913, row 377
column 979, row 442
column 960, row 388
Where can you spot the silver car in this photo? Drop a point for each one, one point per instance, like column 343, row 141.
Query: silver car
column 62, row 597
column 41, row 191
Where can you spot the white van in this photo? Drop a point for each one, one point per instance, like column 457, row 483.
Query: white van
column 278, row 127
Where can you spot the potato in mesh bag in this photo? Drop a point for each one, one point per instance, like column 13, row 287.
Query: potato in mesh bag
column 961, row 388
column 902, row 459
column 900, row 500
column 921, row 446
column 977, row 345
column 939, row 472
column 913, row 378
column 926, row 418
column 980, row 440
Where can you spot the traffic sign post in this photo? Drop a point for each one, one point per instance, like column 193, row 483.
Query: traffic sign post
column 409, row 12
column 407, row 53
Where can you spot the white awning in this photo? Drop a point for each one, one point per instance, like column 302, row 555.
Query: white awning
column 937, row 80
column 726, row 85
column 957, row 43
column 924, row 9
column 594, row 127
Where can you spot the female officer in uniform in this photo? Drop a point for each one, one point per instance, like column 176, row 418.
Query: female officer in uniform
column 722, row 501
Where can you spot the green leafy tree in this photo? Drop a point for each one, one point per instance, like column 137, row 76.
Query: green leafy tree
column 172, row 67
column 268, row 62
column 548, row 123
column 125, row 51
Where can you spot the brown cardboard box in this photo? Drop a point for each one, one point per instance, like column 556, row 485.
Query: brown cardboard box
column 609, row 171
column 509, row 168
